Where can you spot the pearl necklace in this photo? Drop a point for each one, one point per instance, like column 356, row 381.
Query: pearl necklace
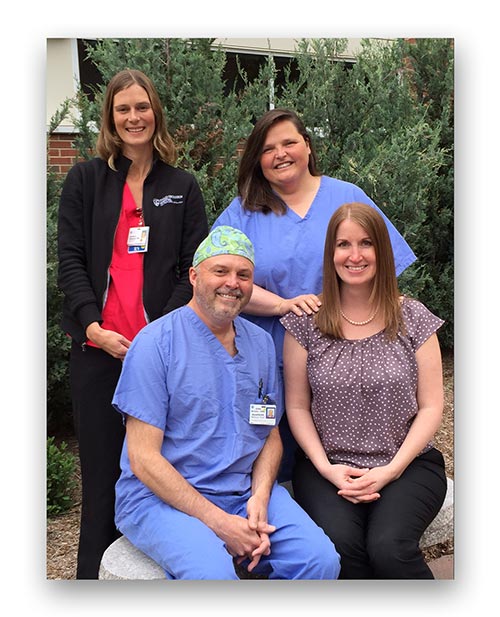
column 358, row 323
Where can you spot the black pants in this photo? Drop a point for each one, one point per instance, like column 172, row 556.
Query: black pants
column 290, row 448
column 100, row 433
column 378, row 540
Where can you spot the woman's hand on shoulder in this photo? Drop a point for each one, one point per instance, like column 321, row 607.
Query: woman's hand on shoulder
column 109, row 341
column 306, row 303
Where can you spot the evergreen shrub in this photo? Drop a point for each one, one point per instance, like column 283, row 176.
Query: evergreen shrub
column 384, row 122
column 61, row 482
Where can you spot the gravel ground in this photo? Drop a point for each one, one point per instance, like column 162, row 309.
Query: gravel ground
column 62, row 530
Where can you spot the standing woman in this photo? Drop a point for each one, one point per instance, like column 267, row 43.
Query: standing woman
column 364, row 397
column 284, row 204
column 129, row 224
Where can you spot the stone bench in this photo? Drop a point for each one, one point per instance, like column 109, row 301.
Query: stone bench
column 441, row 528
column 123, row 561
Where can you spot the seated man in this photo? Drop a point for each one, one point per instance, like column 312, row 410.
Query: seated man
column 199, row 395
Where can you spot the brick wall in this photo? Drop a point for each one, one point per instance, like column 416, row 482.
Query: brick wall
column 62, row 153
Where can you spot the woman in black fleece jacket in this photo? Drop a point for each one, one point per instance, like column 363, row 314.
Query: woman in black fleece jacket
column 129, row 224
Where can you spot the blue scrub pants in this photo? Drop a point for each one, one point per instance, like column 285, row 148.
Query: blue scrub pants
column 187, row 549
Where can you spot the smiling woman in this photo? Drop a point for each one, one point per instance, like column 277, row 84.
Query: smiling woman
column 284, row 205
column 364, row 400
column 125, row 249
column 134, row 120
column 360, row 264
column 285, row 165
column 354, row 255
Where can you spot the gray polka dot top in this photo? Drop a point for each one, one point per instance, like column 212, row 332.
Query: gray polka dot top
column 364, row 391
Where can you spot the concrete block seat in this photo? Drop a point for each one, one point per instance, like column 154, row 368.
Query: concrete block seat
column 441, row 528
column 123, row 561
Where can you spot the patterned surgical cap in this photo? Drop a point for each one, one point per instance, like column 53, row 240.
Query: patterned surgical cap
column 224, row 240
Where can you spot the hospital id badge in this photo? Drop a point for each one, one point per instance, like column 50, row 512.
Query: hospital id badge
column 261, row 413
column 137, row 241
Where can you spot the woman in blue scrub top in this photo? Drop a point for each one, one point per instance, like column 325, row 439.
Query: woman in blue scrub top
column 284, row 205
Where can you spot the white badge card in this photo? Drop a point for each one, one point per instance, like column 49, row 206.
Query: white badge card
column 137, row 241
column 263, row 414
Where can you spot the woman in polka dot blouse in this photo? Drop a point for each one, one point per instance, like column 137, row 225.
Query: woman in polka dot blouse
column 364, row 397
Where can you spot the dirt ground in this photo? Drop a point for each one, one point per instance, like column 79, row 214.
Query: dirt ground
column 62, row 530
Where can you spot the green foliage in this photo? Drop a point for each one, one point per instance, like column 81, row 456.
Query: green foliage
column 86, row 121
column 384, row 122
column 58, row 397
column 207, row 123
column 61, row 482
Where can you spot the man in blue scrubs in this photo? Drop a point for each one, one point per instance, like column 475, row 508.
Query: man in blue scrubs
column 201, row 398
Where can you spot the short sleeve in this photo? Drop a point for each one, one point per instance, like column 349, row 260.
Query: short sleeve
column 232, row 215
column 299, row 327
column 420, row 323
column 141, row 390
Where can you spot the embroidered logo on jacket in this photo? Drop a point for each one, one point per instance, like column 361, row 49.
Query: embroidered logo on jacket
column 168, row 199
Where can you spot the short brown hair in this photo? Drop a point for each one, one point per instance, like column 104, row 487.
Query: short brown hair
column 385, row 293
column 253, row 188
column 109, row 145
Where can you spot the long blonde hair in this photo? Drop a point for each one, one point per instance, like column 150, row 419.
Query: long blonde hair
column 109, row 144
column 385, row 294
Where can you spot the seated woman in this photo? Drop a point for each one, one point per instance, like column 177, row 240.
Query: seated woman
column 364, row 397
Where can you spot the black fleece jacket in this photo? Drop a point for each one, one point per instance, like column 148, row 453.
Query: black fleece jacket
column 89, row 210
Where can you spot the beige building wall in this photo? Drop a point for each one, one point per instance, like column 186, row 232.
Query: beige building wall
column 62, row 76
column 277, row 46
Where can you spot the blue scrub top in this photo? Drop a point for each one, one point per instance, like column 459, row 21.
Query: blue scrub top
column 178, row 377
column 289, row 249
